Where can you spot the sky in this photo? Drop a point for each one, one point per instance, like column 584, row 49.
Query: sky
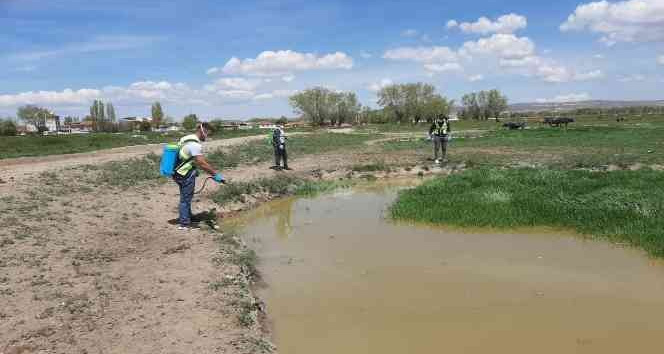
column 242, row 59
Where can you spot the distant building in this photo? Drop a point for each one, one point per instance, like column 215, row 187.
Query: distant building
column 266, row 125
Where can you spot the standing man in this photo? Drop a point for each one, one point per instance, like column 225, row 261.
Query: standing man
column 190, row 160
column 279, row 143
column 439, row 133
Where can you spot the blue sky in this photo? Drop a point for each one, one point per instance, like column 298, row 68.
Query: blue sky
column 64, row 53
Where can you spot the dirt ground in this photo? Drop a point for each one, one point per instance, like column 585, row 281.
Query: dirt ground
column 100, row 270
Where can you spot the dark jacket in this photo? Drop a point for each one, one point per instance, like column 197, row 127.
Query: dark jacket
column 440, row 129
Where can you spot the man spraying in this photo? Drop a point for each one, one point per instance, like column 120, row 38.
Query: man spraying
column 279, row 143
column 191, row 159
column 439, row 133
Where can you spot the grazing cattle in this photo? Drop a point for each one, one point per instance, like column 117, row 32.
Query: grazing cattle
column 514, row 125
column 557, row 122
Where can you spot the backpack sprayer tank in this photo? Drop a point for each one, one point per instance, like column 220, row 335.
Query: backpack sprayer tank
column 169, row 160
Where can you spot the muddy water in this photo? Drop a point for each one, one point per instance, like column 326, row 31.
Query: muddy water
column 343, row 279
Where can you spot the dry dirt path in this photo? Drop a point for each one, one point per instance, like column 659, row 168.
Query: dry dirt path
column 100, row 270
column 18, row 167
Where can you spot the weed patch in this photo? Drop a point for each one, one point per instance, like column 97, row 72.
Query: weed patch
column 623, row 206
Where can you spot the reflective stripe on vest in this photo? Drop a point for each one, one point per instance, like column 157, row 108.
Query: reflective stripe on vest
column 184, row 156
column 441, row 129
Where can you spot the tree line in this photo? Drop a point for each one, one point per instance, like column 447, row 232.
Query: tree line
column 321, row 106
column 399, row 103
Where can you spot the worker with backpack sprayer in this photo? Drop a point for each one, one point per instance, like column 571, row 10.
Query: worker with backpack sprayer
column 182, row 162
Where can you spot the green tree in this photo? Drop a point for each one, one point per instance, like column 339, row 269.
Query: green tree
column 8, row 127
column 189, row 122
column 497, row 103
column 312, row 104
column 416, row 102
column 282, row 120
column 393, row 100
column 33, row 115
column 145, row 126
column 157, row 114
column 110, row 113
column 98, row 116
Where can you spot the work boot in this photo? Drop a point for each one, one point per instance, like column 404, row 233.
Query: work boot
column 287, row 168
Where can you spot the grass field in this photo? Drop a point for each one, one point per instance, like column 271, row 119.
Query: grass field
column 298, row 146
column 623, row 206
column 24, row 146
column 576, row 147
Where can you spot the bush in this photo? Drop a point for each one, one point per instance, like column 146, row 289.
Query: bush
column 8, row 128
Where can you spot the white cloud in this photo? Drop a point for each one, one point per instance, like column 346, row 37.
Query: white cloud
column 97, row 44
column 365, row 55
column 660, row 60
column 598, row 56
column 213, row 71
column 591, row 75
column 65, row 97
column 288, row 78
column 284, row 62
column 623, row 21
column 225, row 90
column 233, row 83
column 475, row 78
column 572, row 97
column 506, row 24
column 377, row 86
column 275, row 94
column 440, row 68
column 409, row 33
column 422, row 54
column 511, row 53
column 548, row 70
column 504, row 46
column 632, row 78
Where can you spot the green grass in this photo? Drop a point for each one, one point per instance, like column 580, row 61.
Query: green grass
column 298, row 146
column 24, row 146
column 623, row 206
column 281, row 185
column 573, row 148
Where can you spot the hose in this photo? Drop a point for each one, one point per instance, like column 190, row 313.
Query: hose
column 205, row 184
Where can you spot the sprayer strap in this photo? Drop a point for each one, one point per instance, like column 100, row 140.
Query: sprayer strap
column 191, row 158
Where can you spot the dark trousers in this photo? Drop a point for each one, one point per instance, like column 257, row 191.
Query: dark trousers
column 440, row 143
column 187, row 185
column 280, row 155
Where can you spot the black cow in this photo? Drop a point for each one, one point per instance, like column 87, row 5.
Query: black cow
column 514, row 125
column 557, row 122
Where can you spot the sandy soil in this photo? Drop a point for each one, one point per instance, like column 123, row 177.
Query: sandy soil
column 19, row 167
column 99, row 270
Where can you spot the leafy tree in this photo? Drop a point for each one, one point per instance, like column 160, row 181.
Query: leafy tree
column 157, row 114
column 483, row 105
column 416, row 102
column 110, row 113
column 189, row 122
column 145, row 126
column 33, row 115
column 282, row 120
column 312, row 104
column 497, row 104
column 393, row 100
column 98, row 116
column 7, row 127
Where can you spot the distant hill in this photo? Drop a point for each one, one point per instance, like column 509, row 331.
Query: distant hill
column 568, row 106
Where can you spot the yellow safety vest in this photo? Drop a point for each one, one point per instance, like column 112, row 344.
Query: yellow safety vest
column 187, row 164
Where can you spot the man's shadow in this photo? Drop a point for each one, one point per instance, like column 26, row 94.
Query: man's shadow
column 207, row 217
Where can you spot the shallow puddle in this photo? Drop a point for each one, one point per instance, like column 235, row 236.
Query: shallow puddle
column 343, row 279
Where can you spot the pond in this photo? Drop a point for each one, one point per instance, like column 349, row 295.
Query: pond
column 341, row 278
